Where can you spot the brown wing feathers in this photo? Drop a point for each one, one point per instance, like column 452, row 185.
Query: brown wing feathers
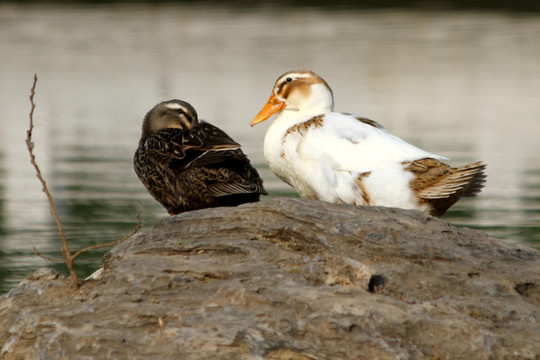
column 440, row 185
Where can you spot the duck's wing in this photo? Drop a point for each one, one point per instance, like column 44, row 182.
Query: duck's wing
column 230, row 183
column 206, row 136
column 180, row 150
column 229, row 172
column 207, row 145
column 436, row 180
column 227, row 169
column 344, row 142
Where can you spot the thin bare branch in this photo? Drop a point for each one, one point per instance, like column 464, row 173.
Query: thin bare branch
column 69, row 258
column 111, row 243
column 48, row 258
column 30, row 146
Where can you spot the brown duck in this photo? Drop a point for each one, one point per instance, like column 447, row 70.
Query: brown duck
column 187, row 164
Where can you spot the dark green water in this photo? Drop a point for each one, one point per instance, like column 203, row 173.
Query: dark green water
column 460, row 84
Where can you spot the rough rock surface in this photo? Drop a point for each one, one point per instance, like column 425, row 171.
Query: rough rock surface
column 288, row 279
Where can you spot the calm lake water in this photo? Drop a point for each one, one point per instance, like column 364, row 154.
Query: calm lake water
column 461, row 84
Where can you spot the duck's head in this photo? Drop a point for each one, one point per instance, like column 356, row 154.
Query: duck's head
column 300, row 90
column 169, row 114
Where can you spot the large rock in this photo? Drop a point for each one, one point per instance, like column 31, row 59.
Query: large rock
column 288, row 279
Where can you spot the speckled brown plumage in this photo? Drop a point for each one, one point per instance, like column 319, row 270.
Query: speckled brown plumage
column 301, row 128
column 316, row 121
column 440, row 186
column 369, row 122
column 365, row 194
column 187, row 165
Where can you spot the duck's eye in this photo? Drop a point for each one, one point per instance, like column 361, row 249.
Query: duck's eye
column 180, row 112
column 289, row 80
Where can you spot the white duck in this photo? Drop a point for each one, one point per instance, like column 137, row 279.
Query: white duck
column 342, row 158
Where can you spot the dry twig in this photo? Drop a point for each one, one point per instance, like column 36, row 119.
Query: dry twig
column 30, row 146
column 112, row 243
column 69, row 258
column 47, row 257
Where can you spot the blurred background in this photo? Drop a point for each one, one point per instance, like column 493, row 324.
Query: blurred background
column 457, row 78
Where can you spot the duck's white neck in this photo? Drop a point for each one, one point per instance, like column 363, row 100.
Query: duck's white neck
column 301, row 108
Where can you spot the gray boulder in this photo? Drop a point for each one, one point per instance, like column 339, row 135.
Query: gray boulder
column 287, row 279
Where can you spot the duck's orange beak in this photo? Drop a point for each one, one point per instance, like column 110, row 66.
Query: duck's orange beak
column 272, row 106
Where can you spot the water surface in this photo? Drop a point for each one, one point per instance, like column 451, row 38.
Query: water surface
column 461, row 84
